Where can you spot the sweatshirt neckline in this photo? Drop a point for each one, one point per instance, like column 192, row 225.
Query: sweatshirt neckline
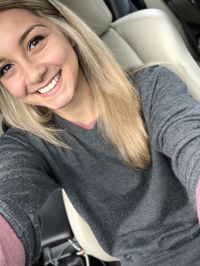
column 89, row 127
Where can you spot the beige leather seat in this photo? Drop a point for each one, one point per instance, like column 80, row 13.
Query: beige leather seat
column 161, row 4
column 142, row 37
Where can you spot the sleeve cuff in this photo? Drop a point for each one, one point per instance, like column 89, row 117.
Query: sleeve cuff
column 11, row 248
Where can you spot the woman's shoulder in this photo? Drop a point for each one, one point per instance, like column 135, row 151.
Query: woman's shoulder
column 149, row 73
column 21, row 150
column 14, row 135
column 17, row 139
column 157, row 77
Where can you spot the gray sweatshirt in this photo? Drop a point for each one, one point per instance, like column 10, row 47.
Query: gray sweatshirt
column 142, row 217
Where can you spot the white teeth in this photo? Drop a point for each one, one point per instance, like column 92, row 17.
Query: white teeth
column 51, row 85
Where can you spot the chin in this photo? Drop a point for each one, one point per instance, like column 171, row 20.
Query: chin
column 61, row 104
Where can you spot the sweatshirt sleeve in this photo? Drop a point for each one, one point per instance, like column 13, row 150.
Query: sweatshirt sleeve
column 26, row 183
column 172, row 117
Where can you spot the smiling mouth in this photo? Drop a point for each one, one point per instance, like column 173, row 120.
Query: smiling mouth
column 51, row 85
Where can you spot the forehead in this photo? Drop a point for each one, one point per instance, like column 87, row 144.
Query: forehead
column 14, row 23
column 13, row 18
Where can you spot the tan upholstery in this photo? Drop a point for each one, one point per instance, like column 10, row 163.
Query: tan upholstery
column 83, row 233
column 122, row 51
column 154, row 38
column 96, row 14
column 93, row 12
column 160, row 4
column 141, row 37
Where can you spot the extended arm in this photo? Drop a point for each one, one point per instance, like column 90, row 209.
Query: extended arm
column 172, row 117
column 25, row 184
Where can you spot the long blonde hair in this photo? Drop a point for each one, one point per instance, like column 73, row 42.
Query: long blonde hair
column 117, row 100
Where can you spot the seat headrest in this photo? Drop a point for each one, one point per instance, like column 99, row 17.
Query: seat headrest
column 94, row 12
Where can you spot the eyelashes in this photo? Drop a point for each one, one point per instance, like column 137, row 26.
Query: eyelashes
column 5, row 69
column 35, row 42
column 32, row 44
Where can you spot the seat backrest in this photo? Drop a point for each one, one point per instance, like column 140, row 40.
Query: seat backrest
column 96, row 14
column 161, row 4
column 153, row 37
column 83, row 233
column 144, row 36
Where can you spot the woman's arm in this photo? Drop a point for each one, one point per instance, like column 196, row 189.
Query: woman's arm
column 25, row 183
column 172, row 117
column 11, row 248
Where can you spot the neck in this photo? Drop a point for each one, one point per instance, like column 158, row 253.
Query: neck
column 83, row 108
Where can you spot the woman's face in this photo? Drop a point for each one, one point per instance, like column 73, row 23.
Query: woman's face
column 37, row 63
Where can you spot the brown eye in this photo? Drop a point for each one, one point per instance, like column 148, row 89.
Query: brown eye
column 34, row 42
column 5, row 69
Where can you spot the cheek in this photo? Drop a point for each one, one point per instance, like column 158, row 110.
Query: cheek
column 68, row 61
column 55, row 52
column 62, row 52
column 15, row 88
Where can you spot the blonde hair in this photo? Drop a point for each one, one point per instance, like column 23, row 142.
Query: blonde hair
column 117, row 100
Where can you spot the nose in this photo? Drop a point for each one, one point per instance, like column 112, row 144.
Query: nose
column 34, row 73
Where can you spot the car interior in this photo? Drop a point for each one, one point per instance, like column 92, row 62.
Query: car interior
column 137, row 33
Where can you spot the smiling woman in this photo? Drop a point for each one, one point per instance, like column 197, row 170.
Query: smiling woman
column 67, row 48
column 78, row 122
column 44, row 69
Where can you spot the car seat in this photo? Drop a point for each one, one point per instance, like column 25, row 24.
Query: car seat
column 120, row 8
column 140, row 38
column 162, row 5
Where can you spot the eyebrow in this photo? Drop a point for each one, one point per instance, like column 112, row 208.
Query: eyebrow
column 25, row 34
